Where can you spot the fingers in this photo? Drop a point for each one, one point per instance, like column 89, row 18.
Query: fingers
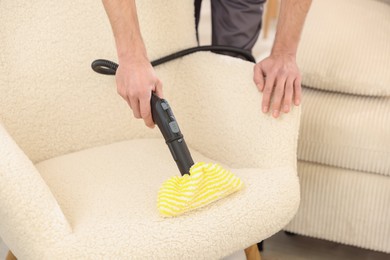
column 258, row 76
column 158, row 89
column 145, row 110
column 297, row 91
column 268, row 89
column 278, row 77
column 135, row 83
column 139, row 102
column 288, row 94
column 278, row 96
column 135, row 106
column 282, row 91
column 140, row 105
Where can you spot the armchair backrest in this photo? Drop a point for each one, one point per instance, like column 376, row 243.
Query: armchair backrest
column 50, row 100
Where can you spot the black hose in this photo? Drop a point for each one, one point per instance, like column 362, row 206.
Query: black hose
column 107, row 67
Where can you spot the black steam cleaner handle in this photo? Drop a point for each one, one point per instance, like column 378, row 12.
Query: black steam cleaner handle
column 165, row 120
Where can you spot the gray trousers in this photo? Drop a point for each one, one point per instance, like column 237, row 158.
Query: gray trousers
column 234, row 22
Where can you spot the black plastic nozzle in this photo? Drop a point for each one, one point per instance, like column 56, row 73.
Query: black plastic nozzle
column 165, row 120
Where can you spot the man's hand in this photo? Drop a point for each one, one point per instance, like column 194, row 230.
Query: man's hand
column 278, row 77
column 135, row 80
column 135, row 76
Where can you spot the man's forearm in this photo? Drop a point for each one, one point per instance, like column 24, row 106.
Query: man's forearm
column 290, row 23
column 135, row 77
column 124, row 22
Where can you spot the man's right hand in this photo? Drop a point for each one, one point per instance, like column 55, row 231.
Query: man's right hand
column 135, row 76
column 135, row 80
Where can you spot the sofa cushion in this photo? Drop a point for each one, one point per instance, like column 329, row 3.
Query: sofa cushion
column 109, row 196
column 343, row 206
column 346, row 131
column 345, row 47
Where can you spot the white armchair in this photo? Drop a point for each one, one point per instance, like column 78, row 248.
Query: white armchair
column 79, row 176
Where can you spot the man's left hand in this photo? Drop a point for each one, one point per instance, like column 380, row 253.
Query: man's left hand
column 279, row 79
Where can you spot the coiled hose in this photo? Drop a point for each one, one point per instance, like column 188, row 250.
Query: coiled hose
column 107, row 67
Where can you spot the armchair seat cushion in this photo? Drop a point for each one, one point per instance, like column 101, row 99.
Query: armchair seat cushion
column 345, row 47
column 109, row 196
column 346, row 131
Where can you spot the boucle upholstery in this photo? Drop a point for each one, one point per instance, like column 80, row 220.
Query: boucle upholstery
column 345, row 206
column 92, row 152
column 345, row 131
column 31, row 219
column 110, row 202
column 46, row 51
column 350, row 41
column 220, row 130
column 221, row 116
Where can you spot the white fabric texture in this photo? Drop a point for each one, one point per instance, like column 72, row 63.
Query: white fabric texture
column 216, row 125
column 350, row 41
column 344, row 206
column 30, row 218
column 46, row 51
column 52, row 104
column 345, row 131
column 110, row 201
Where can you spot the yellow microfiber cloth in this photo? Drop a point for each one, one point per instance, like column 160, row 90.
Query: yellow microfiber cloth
column 206, row 183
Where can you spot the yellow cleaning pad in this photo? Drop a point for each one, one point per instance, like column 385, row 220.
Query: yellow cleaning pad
column 206, row 183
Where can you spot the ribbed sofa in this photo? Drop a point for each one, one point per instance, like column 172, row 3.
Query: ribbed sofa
column 344, row 141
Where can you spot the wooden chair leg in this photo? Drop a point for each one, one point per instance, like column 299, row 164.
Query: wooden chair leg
column 10, row 256
column 252, row 253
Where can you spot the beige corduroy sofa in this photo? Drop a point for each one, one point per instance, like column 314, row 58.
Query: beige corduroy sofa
column 79, row 176
column 344, row 141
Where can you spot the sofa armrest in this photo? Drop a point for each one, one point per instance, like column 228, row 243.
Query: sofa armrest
column 30, row 217
column 220, row 89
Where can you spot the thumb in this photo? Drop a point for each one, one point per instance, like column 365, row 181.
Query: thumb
column 258, row 76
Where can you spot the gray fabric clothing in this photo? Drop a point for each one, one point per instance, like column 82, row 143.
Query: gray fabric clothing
column 235, row 22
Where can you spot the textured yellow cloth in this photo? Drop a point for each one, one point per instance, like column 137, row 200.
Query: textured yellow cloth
column 206, row 183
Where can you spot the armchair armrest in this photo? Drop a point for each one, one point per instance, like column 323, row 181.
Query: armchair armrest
column 30, row 216
column 216, row 94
